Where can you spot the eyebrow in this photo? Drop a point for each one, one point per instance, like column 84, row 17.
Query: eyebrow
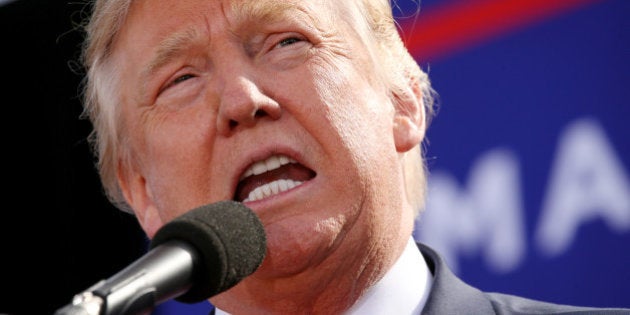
column 167, row 49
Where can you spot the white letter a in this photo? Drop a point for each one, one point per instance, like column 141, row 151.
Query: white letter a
column 588, row 182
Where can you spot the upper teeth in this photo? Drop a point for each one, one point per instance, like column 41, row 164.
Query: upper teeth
column 267, row 165
column 274, row 187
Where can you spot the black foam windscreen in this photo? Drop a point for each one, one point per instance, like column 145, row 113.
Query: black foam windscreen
column 230, row 240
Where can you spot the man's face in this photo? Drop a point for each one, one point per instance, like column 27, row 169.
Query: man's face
column 213, row 90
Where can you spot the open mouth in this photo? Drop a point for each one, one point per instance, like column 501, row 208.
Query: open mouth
column 272, row 176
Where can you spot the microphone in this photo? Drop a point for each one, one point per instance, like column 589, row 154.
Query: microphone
column 195, row 256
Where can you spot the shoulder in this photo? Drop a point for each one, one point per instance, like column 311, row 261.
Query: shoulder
column 510, row 304
column 451, row 295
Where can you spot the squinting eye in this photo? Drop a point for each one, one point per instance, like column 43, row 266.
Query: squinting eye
column 182, row 79
column 177, row 80
column 288, row 41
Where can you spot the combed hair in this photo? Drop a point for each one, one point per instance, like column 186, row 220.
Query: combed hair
column 101, row 102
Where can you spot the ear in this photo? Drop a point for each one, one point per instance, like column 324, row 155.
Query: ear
column 409, row 119
column 139, row 196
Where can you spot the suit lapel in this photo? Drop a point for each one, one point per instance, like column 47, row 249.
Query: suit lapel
column 449, row 294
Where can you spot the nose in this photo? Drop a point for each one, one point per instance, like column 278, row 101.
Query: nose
column 243, row 104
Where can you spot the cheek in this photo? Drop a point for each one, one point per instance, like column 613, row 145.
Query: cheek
column 359, row 113
column 174, row 151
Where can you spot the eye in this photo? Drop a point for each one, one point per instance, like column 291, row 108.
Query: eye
column 285, row 50
column 288, row 41
column 182, row 78
column 177, row 80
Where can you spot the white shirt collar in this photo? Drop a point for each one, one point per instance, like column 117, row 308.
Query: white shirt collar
column 403, row 290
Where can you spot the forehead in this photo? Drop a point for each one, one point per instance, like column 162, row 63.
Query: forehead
column 234, row 11
column 270, row 10
column 150, row 22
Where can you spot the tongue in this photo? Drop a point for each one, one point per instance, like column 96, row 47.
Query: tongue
column 294, row 172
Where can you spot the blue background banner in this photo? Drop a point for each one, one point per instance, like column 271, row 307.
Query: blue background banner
column 529, row 155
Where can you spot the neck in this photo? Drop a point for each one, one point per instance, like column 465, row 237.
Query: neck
column 323, row 290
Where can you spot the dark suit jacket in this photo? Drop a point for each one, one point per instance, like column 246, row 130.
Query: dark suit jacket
column 450, row 295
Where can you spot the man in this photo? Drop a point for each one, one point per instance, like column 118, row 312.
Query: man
column 311, row 113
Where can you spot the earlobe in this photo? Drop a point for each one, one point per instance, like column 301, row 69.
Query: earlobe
column 150, row 221
column 409, row 119
column 139, row 196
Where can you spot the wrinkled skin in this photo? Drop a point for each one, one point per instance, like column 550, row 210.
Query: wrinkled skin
column 241, row 85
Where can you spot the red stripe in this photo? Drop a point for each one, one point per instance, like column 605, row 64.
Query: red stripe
column 445, row 29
